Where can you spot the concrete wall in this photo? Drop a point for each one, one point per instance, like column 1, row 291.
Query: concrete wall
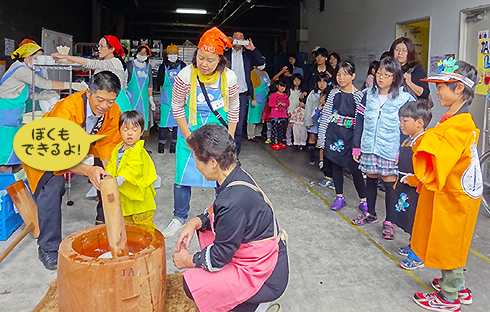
column 362, row 30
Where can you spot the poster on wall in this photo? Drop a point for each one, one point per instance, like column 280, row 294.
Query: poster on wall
column 9, row 46
column 483, row 67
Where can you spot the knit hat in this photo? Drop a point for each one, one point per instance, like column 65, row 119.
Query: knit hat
column 214, row 41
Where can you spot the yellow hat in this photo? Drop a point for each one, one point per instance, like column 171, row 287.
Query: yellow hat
column 172, row 47
column 25, row 50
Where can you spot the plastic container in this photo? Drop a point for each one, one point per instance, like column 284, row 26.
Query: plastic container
column 10, row 220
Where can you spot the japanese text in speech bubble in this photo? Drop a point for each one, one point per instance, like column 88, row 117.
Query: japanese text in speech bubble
column 52, row 144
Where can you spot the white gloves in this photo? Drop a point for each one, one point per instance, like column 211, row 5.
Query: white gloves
column 152, row 103
column 254, row 103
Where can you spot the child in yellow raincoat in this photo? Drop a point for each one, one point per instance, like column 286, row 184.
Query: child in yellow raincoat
column 134, row 170
column 446, row 162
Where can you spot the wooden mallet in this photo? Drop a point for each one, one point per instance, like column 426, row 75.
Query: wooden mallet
column 27, row 207
column 114, row 220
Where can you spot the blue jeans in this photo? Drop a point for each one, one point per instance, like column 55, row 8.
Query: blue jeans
column 182, row 202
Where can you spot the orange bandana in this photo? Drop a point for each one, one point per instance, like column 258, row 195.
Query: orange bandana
column 214, row 41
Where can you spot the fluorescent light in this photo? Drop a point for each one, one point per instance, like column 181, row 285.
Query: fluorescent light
column 191, row 11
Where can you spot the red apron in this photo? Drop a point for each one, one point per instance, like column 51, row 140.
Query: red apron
column 240, row 279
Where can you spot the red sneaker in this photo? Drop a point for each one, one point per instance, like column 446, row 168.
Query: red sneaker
column 281, row 145
column 275, row 147
column 464, row 295
column 436, row 302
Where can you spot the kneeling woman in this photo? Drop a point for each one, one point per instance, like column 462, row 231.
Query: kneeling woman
column 243, row 264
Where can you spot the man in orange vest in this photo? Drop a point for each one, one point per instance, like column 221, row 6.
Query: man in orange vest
column 96, row 112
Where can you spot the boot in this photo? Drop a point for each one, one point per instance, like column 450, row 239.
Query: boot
column 172, row 147
column 161, row 148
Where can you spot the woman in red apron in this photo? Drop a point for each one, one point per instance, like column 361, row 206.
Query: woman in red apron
column 243, row 264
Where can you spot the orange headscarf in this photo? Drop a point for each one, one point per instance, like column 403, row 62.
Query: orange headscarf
column 147, row 47
column 214, row 41
column 26, row 40
column 172, row 47
column 116, row 44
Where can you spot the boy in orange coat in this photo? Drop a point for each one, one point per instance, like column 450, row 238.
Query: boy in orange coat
column 446, row 162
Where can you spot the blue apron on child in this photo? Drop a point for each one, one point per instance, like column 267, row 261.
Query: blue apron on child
column 167, row 119
column 186, row 172
column 138, row 88
column 11, row 111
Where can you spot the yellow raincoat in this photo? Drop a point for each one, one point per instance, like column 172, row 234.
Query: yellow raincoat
column 137, row 168
column 446, row 162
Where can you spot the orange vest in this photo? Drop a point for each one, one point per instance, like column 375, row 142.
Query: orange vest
column 73, row 108
column 446, row 162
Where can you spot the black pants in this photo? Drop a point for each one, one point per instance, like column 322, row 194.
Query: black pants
column 163, row 134
column 390, row 199
column 242, row 121
column 277, row 134
column 272, row 289
column 48, row 199
column 338, row 177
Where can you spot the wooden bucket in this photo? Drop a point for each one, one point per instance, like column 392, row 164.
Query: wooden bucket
column 130, row 283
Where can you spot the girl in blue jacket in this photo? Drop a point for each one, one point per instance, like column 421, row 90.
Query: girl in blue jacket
column 377, row 139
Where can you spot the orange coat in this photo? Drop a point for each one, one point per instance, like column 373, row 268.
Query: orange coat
column 73, row 108
column 446, row 162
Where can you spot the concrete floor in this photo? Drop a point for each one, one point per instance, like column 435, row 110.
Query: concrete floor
column 334, row 266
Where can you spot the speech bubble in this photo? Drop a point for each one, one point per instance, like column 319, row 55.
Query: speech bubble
column 52, row 143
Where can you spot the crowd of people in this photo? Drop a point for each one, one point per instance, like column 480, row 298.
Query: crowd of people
column 378, row 132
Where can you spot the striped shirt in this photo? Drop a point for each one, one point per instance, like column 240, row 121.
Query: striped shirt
column 328, row 110
column 182, row 88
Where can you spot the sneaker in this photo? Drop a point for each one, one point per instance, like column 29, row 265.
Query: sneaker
column 288, row 142
column 274, row 308
column 327, row 182
column 464, row 295
column 312, row 163
column 436, row 302
column 297, row 148
column 275, row 147
column 409, row 264
column 281, row 145
column 388, row 230
column 404, row 250
column 320, row 164
column 338, row 203
column 172, row 228
column 172, row 147
column 363, row 206
column 161, row 148
column 48, row 258
column 365, row 218
column 268, row 141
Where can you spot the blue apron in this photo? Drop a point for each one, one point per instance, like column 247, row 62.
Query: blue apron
column 138, row 89
column 11, row 111
column 186, row 172
column 167, row 119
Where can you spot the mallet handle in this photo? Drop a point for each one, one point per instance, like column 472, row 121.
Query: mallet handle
column 26, row 231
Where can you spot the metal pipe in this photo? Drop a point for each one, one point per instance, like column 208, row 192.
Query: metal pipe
column 219, row 12
column 233, row 13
